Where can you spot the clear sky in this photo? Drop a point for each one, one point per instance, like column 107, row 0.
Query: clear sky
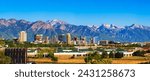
column 85, row 12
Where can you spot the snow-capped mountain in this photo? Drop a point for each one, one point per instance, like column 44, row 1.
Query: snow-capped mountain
column 134, row 33
column 56, row 22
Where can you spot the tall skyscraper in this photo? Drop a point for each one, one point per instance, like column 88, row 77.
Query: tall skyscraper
column 46, row 40
column 54, row 39
column 38, row 38
column 68, row 38
column 84, row 40
column 75, row 40
column 23, row 36
column 92, row 40
column 62, row 38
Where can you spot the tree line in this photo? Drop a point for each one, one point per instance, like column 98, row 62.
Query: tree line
column 96, row 58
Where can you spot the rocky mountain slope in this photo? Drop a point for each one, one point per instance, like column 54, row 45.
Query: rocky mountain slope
column 135, row 33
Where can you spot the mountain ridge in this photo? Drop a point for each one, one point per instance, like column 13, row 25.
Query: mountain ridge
column 10, row 28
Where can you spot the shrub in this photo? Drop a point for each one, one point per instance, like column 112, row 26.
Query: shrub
column 118, row 55
column 54, row 59
column 139, row 53
column 111, row 55
column 4, row 59
column 105, row 54
column 96, row 58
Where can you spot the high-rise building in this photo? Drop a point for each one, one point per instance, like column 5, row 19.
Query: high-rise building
column 93, row 40
column 54, row 39
column 38, row 38
column 23, row 36
column 75, row 40
column 61, row 38
column 46, row 40
column 68, row 38
column 84, row 40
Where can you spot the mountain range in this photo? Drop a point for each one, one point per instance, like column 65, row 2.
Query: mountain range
column 10, row 28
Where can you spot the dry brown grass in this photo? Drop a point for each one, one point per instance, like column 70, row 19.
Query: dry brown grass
column 66, row 59
column 80, row 60
column 71, row 61
column 131, row 60
column 61, row 60
column 63, row 57
column 39, row 60
column 122, row 61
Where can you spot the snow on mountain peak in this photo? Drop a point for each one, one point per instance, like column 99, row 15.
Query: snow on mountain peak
column 110, row 26
column 56, row 21
column 136, row 26
column 106, row 25
column 94, row 27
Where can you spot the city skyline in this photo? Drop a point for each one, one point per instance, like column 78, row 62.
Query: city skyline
column 90, row 12
column 62, row 38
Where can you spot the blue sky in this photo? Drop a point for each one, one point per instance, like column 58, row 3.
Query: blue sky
column 85, row 12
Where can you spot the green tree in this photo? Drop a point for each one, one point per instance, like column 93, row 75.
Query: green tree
column 53, row 58
column 139, row 53
column 111, row 55
column 119, row 49
column 106, row 61
column 90, row 49
column 96, row 58
column 40, row 55
column 118, row 55
column 2, row 43
column 88, row 59
column 148, row 51
column 105, row 54
column 134, row 45
column 4, row 59
column 99, row 49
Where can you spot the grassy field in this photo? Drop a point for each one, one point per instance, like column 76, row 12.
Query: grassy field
column 131, row 60
column 80, row 60
column 61, row 60
column 40, row 60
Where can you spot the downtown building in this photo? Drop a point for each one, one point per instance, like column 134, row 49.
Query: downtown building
column 68, row 36
column 22, row 36
column 38, row 38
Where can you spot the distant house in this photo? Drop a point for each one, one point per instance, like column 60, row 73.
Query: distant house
column 70, row 53
column 32, row 52
column 104, row 42
column 127, row 54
